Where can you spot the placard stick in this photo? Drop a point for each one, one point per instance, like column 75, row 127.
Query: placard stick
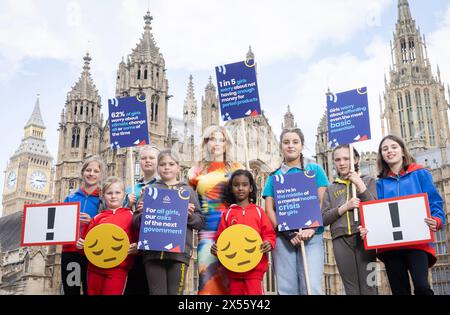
column 131, row 167
column 244, row 134
column 305, row 265
column 352, row 168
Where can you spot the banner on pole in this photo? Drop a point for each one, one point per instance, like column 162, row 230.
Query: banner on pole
column 348, row 117
column 238, row 90
column 128, row 125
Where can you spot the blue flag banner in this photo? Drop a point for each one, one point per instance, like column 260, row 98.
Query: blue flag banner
column 128, row 122
column 348, row 117
column 238, row 90
column 297, row 201
column 164, row 220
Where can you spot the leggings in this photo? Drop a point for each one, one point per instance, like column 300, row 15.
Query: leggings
column 398, row 263
column 165, row 277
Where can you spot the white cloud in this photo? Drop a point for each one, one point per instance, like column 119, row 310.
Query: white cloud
column 340, row 73
column 195, row 35
column 213, row 34
column 439, row 47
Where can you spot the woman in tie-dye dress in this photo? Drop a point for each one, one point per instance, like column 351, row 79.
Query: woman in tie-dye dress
column 209, row 179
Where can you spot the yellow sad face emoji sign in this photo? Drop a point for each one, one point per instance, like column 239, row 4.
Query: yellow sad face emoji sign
column 106, row 246
column 239, row 248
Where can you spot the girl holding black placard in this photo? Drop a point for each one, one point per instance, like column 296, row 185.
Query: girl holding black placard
column 400, row 176
column 166, row 271
column 287, row 255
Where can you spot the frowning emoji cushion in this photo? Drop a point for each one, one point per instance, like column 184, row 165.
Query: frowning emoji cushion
column 106, row 246
column 239, row 248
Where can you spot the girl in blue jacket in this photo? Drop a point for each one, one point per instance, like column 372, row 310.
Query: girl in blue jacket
column 400, row 176
column 73, row 263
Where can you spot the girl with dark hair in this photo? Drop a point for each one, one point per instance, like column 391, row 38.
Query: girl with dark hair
column 287, row 256
column 400, row 176
column 241, row 194
column 337, row 211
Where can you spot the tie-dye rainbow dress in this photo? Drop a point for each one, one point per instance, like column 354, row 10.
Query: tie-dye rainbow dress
column 213, row 278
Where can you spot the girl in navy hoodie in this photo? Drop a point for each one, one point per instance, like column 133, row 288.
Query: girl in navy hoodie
column 400, row 176
column 73, row 263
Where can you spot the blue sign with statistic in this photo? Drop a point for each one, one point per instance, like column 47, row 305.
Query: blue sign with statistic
column 348, row 117
column 297, row 201
column 128, row 122
column 164, row 220
column 238, row 90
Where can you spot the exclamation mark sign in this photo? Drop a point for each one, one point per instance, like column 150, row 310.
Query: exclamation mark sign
column 50, row 224
column 395, row 217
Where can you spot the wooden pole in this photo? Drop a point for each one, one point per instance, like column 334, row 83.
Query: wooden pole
column 244, row 135
column 352, row 168
column 131, row 167
column 305, row 266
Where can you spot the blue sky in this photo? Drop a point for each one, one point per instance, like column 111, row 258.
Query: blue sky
column 301, row 47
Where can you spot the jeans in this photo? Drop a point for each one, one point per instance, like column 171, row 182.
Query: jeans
column 289, row 270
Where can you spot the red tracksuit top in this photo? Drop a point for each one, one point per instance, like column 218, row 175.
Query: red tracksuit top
column 255, row 217
column 121, row 217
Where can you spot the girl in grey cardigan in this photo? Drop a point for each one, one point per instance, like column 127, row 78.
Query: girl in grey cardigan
column 353, row 261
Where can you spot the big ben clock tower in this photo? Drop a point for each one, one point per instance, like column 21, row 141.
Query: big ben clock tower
column 28, row 176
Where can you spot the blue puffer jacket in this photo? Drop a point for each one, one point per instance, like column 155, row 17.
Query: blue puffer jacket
column 415, row 180
column 89, row 203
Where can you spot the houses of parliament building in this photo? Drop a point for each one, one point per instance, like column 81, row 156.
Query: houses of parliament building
column 413, row 106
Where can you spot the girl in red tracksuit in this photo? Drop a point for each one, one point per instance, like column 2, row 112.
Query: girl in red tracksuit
column 241, row 193
column 111, row 281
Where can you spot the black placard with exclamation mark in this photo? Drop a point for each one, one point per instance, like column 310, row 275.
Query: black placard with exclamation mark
column 395, row 217
column 50, row 224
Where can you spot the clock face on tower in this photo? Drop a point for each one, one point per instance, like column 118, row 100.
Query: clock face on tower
column 38, row 180
column 12, row 179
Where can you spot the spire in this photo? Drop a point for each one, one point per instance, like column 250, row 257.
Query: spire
column 36, row 117
column 33, row 141
column 190, row 104
column 210, row 85
column 146, row 49
column 85, row 87
column 87, row 63
column 289, row 120
column 404, row 13
column 190, row 90
column 250, row 54
column 148, row 21
column 439, row 74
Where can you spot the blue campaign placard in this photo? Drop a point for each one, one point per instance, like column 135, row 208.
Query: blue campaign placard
column 164, row 220
column 238, row 90
column 297, row 201
column 348, row 117
column 128, row 122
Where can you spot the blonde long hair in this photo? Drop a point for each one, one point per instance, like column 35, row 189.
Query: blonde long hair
column 227, row 152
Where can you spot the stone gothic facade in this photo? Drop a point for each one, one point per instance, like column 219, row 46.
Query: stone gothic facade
column 414, row 107
column 83, row 132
